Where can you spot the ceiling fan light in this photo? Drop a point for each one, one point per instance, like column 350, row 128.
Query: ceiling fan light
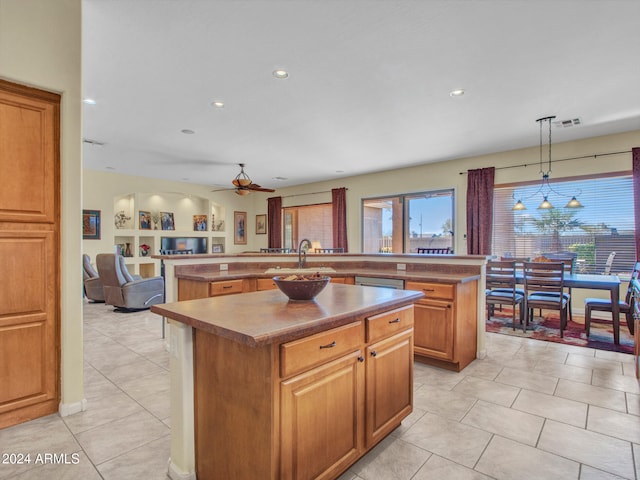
column 244, row 182
column 574, row 203
column 242, row 192
column 545, row 205
column 519, row 206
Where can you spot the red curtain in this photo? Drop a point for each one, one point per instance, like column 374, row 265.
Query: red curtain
column 635, row 159
column 480, row 210
column 339, row 206
column 274, row 220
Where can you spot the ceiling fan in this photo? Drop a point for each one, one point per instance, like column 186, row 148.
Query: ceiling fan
column 243, row 184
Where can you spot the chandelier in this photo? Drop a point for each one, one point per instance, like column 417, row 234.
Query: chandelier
column 545, row 187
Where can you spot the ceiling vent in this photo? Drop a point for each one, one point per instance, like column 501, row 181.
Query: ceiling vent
column 573, row 122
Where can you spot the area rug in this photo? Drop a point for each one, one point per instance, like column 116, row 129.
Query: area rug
column 547, row 328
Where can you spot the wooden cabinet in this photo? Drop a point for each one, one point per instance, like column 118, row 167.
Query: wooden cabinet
column 29, row 253
column 193, row 289
column 265, row 284
column 227, row 287
column 323, row 419
column 304, row 409
column 445, row 331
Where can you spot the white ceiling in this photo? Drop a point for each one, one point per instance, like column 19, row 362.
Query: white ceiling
column 368, row 88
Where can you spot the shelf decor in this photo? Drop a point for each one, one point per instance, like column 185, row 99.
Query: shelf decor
column 91, row 224
column 216, row 226
column 240, row 228
column 167, row 221
column 121, row 219
column 261, row 224
column 145, row 220
column 144, row 250
column 155, row 216
column 199, row 223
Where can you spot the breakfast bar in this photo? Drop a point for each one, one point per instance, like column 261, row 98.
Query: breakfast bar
column 278, row 389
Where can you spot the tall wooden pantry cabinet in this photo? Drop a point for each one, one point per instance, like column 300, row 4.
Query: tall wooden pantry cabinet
column 29, row 253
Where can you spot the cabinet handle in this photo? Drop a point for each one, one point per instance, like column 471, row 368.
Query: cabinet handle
column 227, row 286
column 330, row 345
column 374, row 353
column 397, row 320
column 428, row 290
column 448, row 305
column 361, row 359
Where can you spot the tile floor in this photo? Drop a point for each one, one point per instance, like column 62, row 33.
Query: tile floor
column 530, row 410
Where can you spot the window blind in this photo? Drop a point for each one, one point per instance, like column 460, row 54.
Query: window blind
column 604, row 225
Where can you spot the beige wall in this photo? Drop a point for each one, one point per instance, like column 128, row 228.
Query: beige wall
column 40, row 46
column 101, row 188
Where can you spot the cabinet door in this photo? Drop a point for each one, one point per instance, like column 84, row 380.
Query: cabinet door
column 389, row 384
column 29, row 253
column 266, row 284
column 322, row 418
column 433, row 324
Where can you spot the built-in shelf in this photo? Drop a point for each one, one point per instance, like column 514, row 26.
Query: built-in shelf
column 193, row 217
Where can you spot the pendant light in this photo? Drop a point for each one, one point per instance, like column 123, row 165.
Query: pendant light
column 545, row 188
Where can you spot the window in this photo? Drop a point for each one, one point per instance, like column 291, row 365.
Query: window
column 314, row 222
column 404, row 223
column 604, row 225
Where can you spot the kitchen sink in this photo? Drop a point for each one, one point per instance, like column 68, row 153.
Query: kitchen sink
column 278, row 271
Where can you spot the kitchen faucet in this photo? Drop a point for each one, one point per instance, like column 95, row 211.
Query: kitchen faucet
column 302, row 255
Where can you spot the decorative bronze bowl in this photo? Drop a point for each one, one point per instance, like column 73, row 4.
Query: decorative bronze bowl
column 301, row 287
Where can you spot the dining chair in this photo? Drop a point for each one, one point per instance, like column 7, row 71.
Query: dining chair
column 569, row 261
column 519, row 261
column 604, row 305
column 501, row 289
column 544, row 289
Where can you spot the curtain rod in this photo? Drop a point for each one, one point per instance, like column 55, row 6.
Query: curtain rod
column 308, row 193
column 559, row 160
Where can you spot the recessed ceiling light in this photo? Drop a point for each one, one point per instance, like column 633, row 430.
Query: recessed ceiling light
column 217, row 104
column 109, row 168
column 89, row 101
column 186, row 131
column 456, row 93
column 280, row 73
column 339, row 171
column 279, row 179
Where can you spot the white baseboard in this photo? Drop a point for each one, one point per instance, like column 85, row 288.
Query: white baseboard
column 175, row 473
column 66, row 409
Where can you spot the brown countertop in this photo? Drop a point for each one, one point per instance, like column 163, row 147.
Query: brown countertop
column 266, row 317
column 418, row 276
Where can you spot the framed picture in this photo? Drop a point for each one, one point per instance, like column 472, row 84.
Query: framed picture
column 261, row 224
column 199, row 223
column 144, row 220
column 240, row 228
column 166, row 220
column 217, row 248
column 91, row 224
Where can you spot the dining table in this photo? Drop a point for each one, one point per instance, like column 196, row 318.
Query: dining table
column 594, row 282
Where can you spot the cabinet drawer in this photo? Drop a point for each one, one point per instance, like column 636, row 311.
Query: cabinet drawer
column 432, row 290
column 225, row 288
column 266, row 284
column 388, row 323
column 302, row 354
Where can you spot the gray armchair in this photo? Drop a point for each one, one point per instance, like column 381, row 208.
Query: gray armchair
column 91, row 281
column 124, row 291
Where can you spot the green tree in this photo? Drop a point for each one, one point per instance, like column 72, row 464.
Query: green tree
column 554, row 222
column 447, row 227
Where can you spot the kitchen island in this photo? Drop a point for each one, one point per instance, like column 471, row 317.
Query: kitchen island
column 287, row 390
